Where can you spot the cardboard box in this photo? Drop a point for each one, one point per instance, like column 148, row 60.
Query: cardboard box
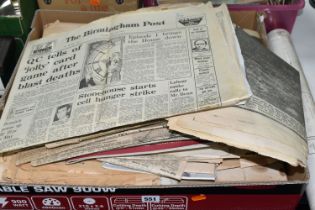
column 223, row 196
column 19, row 25
column 89, row 5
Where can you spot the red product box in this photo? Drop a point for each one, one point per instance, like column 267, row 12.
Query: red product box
column 280, row 197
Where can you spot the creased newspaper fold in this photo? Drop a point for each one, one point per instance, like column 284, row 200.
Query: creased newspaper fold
column 270, row 123
column 121, row 70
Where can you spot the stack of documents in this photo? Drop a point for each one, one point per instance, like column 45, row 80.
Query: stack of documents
column 156, row 96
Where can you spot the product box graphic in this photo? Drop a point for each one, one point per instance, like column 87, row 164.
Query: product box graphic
column 284, row 197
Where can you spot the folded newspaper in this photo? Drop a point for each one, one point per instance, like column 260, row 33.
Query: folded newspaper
column 270, row 123
column 122, row 70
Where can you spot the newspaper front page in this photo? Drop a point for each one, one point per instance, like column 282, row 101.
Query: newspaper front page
column 118, row 71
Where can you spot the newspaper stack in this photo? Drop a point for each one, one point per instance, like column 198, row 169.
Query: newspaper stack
column 154, row 91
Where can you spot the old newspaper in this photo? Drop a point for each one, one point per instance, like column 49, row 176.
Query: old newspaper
column 270, row 123
column 42, row 155
column 118, row 71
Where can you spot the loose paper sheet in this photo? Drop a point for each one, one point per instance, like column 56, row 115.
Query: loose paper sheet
column 42, row 155
column 158, row 164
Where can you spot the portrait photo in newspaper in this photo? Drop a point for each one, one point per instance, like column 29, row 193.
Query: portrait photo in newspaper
column 62, row 113
column 200, row 45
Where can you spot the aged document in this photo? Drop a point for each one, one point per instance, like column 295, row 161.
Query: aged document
column 148, row 149
column 43, row 155
column 161, row 63
column 58, row 27
column 122, row 131
column 270, row 123
column 164, row 165
column 87, row 173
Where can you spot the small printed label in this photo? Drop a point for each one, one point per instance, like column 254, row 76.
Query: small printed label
column 128, row 202
column 150, row 199
column 170, row 203
column 149, row 202
column 51, row 202
column 89, row 202
column 15, row 202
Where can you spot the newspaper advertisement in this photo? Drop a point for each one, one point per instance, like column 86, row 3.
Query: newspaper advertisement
column 117, row 71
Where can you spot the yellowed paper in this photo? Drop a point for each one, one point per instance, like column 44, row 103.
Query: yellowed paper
column 43, row 155
column 87, row 173
column 127, row 130
column 66, row 103
column 158, row 164
column 213, row 151
column 252, row 33
column 270, row 123
column 58, row 27
column 263, row 174
column 195, row 167
column 229, row 164
column 255, row 160
column 246, row 130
